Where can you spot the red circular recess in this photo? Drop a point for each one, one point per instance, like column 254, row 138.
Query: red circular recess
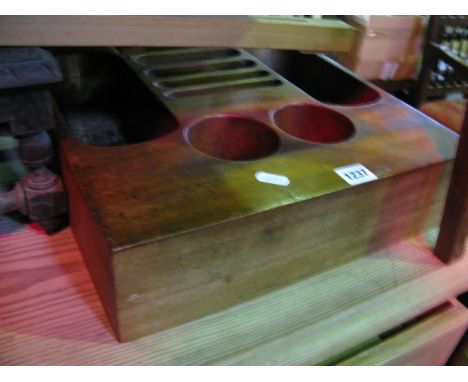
column 233, row 137
column 313, row 123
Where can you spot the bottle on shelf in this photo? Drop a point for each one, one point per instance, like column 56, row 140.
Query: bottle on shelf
column 456, row 41
column 445, row 37
column 464, row 45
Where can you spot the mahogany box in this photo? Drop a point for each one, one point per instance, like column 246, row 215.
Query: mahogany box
column 202, row 178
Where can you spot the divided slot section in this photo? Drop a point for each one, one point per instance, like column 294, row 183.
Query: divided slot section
column 168, row 56
column 222, row 87
column 199, row 67
column 196, row 80
column 104, row 103
column 178, row 73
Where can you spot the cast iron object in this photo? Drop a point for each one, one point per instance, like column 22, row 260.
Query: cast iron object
column 39, row 195
column 27, row 112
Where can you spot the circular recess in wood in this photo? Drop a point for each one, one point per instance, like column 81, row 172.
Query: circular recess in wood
column 233, row 137
column 314, row 123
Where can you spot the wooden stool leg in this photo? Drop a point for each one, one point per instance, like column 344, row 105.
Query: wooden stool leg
column 454, row 227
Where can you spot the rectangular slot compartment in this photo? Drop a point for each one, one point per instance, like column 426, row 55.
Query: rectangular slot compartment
column 319, row 77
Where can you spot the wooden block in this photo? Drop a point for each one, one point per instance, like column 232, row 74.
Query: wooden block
column 218, row 31
column 386, row 49
column 386, row 24
column 385, row 70
column 240, row 197
column 394, row 40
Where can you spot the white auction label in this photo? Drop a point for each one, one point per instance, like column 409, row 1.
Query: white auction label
column 355, row 174
column 268, row 177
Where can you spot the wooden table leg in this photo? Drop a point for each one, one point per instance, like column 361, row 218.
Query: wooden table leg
column 454, row 227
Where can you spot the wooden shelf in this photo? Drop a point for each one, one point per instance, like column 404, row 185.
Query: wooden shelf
column 50, row 313
column 455, row 20
column 449, row 57
column 434, row 91
column 323, row 35
column 429, row 342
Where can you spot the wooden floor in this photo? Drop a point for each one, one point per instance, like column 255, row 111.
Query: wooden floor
column 50, row 313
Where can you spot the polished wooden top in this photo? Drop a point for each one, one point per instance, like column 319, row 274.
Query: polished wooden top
column 166, row 186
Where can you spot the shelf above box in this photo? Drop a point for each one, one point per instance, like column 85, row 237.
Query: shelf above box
column 320, row 35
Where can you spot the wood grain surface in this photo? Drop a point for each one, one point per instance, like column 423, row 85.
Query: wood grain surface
column 450, row 113
column 427, row 342
column 50, row 313
column 162, row 224
column 223, row 31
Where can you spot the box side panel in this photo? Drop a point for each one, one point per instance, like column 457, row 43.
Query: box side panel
column 91, row 242
column 178, row 279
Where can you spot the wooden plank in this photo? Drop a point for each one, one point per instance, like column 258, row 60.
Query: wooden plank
column 453, row 235
column 305, row 346
column 50, row 312
column 426, row 343
column 459, row 356
column 223, row 31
